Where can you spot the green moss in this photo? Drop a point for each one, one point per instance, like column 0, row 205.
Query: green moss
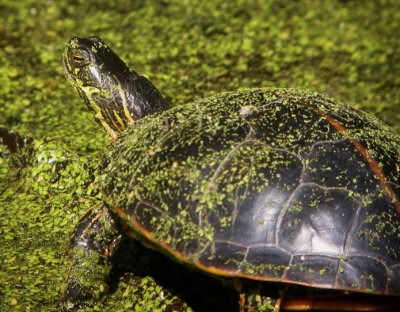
column 143, row 294
column 190, row 50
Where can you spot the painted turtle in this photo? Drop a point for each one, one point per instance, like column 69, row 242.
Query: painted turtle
column 266, row 185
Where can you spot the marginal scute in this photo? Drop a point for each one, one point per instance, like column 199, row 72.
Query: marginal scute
column 363, row 273
column 275, row 267
column 317, row 269
column 224, row 255
column 394, row 279
column 266, row 184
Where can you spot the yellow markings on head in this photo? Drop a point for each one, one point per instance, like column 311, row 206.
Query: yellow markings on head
column 112, row 120
column 88, row 90
column 102, row 115
column 124, row 100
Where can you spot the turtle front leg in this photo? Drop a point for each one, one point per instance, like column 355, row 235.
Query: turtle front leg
column 94, row 240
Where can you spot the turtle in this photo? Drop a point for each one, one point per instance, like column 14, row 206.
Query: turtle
column 269, row 189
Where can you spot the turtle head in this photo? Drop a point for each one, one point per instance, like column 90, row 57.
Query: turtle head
column 117, row 95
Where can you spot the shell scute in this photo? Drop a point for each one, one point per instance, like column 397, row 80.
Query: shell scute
column 317, row 221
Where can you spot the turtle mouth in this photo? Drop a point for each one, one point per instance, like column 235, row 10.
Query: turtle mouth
column 75, row 82
column 70, row 77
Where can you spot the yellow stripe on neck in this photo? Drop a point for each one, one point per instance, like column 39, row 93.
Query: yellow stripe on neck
column 124, row 100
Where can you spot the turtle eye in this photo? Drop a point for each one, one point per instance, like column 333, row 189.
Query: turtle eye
column 79, row 58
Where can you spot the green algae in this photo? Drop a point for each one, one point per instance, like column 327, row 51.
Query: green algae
column 347, row 49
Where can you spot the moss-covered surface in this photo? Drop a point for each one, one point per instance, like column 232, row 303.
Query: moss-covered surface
column 237, row 189
column 189, row 49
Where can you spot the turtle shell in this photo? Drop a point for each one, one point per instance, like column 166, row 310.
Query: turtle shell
column 265, row 184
